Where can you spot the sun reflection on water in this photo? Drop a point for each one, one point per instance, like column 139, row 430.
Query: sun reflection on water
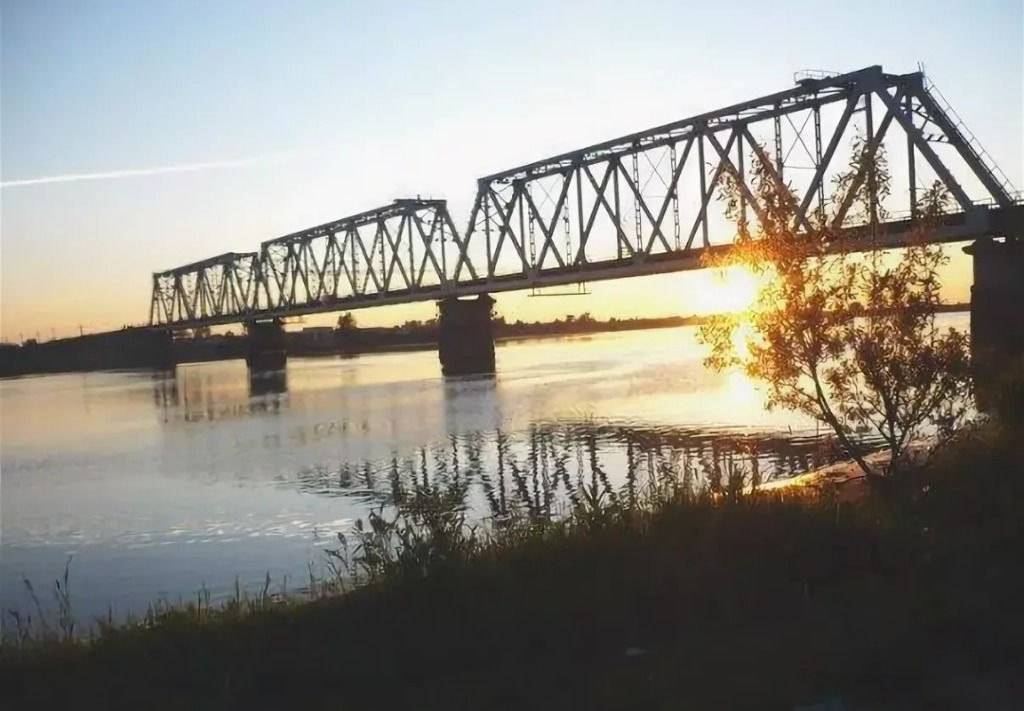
column 741, row 391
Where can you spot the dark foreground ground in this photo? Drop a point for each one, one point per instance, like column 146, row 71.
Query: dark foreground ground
column 910, row 598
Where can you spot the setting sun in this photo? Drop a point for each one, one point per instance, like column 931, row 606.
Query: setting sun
column 734, row 289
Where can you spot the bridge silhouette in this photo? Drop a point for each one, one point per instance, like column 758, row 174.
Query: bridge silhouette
column 636, row 205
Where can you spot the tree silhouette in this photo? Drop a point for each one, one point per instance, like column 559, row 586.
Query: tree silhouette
column 848, row 339
column 346, row 322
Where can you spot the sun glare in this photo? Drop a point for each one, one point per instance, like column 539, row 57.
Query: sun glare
column 735, row 289
column 741, row 392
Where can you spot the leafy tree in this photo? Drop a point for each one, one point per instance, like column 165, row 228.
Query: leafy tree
column 346, row 322
column 849, row 339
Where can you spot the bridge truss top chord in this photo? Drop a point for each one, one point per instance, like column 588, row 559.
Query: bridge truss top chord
column 640, row 204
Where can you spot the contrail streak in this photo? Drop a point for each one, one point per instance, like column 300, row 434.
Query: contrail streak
column 139, row 172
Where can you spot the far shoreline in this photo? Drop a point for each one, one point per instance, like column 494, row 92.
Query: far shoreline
column 323, row 341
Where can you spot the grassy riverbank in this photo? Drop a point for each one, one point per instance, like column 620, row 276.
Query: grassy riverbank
column 681, row 600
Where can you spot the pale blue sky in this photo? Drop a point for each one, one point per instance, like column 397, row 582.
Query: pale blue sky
column 337, row 107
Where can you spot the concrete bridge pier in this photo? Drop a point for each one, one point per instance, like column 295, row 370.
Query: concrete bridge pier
column 265, row 347
column 466, row 335
column 159, row 348
column 997, row 309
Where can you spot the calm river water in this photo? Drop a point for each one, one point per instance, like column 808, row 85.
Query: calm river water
column 162, row 484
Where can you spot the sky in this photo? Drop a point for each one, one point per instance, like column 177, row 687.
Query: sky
column 137, row 136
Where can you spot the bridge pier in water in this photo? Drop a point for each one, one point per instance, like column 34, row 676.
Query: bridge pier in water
column 997, row 316
column 160, row 349
column 465, row 337
column 265, row 346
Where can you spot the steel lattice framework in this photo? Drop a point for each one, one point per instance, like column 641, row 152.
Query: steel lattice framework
column 641, row 204
column 215, row 288
column 394, row 249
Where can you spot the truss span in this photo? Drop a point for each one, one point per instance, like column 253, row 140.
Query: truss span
column 640, row 204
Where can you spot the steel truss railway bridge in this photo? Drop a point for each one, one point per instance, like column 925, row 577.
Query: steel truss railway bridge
column 637, row 205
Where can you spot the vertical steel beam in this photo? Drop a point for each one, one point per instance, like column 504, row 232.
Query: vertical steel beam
column 612, row 166
column 408, row 237
column 153, row 300
column 439, row 224
column 522, row 226
column 741, row 178
column 777, row 121
column 817, row 165
column 378, row 238
column 869, row 124
column 566, row 222
column 673, row 190
column 352, row 237
column 704, row 198
column 528, row 194
column 581, row 255
column 487, row 238
column 911, row 168
column 637, row 223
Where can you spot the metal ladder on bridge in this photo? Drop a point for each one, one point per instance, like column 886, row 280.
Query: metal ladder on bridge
column 966, row 138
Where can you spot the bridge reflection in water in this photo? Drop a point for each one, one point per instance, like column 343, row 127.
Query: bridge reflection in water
column 551, row 467
column 496, row 467
column 193, row 395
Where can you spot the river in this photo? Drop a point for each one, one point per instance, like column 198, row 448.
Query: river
column 160, row 485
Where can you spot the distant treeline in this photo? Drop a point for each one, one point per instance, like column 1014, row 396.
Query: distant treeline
column 426, row 331
column 134, row 348
column 347, row 337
